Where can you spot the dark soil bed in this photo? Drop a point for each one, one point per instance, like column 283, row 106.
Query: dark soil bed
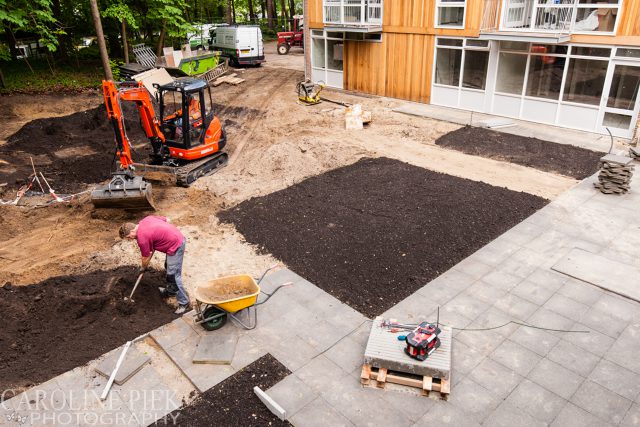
column 546, row 156
column 374, row 232
column 232, row 402
column 64, row 322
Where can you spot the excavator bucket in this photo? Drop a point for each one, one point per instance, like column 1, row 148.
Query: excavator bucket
column 124, row 192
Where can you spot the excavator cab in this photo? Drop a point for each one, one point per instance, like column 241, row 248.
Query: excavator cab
column 185, row 131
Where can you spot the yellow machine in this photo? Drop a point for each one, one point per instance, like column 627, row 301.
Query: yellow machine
column 309, row 92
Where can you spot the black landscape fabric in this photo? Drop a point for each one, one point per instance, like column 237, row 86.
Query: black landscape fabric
column 374, row 232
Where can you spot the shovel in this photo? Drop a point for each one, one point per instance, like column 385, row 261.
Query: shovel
column 130, row 297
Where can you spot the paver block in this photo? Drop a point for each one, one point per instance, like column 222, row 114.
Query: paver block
column 614, row 276
column 601, row 402
column 271, row 404
column 320, row 414
column 216, row 349
column 131, row 365
column 384, row 350
column 292, row 394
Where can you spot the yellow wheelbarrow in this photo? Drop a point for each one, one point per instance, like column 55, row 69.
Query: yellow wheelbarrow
column 228, row 297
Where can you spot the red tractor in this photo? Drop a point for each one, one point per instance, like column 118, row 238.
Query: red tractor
column 288, row 39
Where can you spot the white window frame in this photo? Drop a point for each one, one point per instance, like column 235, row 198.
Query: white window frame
column 463, row 48
column 451, row 4
column 324, row 36
column 576, row 5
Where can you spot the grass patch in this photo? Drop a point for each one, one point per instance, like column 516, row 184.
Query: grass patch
column 19, row 78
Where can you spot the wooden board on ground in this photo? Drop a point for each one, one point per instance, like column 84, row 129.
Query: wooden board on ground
column 399, row 381
column 231, row 79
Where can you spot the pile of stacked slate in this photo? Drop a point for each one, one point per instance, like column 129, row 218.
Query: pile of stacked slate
column 615, row 174
column 634, row 153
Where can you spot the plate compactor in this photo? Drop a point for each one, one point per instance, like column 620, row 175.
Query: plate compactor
column 187, row 139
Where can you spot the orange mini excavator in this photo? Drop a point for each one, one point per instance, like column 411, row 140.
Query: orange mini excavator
column 187, row 139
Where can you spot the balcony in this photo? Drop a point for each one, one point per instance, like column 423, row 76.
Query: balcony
column 551, row 20
column 353, row 15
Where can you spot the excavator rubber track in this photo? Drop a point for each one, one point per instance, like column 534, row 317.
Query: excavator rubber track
column 187, row 174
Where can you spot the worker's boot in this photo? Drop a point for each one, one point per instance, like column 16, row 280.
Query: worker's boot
column 166, row 292
column 182, row 309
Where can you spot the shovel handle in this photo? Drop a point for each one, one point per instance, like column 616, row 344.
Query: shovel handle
column 136, row 285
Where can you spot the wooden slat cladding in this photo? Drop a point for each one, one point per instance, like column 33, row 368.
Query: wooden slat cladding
column 629, row 24
column 398, row 67
column 408, row 13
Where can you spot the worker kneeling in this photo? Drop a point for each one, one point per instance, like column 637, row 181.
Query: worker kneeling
column 156, row 233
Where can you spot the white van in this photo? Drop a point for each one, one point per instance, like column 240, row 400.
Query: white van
column 242, row 44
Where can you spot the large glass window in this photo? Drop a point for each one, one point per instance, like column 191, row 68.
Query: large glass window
column 450, row 13
column 545, row 76
column 511, row 70
column 318, row 53
column 334, row 54
column 475, row 69
column 624, row 87
column 585, row 81
column 448, row 63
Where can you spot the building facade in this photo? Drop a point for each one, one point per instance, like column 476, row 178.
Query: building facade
column 570, row 63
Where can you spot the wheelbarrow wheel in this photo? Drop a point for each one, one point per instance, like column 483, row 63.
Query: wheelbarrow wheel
column 216, row 323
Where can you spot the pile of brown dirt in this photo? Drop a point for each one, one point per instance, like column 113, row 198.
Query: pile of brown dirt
column 233, row 402
column 374, row 232
column 64, row 322
column 563, row 159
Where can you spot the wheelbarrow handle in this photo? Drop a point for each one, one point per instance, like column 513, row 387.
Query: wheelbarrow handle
column 267, row 271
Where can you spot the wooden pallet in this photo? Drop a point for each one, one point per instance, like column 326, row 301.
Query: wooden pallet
column 426, row 386
column 231, row 79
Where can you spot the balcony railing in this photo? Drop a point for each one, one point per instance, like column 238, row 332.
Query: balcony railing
column 546, row 16
column 356, row 13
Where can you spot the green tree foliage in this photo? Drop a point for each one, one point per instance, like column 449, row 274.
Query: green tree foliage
column 33, row 16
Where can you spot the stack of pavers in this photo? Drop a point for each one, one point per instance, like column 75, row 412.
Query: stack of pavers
column 615, row 174
column 634, row 153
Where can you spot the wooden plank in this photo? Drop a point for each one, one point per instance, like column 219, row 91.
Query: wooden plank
column 381, row 377
column 427, row 383
column 411, row 382
column 445, row 387
column 365, row 374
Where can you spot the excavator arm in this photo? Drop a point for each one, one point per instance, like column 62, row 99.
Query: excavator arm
column 125, row 190
column 133, row 92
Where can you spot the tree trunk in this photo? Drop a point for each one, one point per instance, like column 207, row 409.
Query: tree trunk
column 233, row 11
column 228, row 12
column 101, row 45
column 63, row 39
column 161, row 40
column 12, row 42
column 125, row 42
column 2, row 80
column 292, row 8
column 263, row 9
column 285, row 16
column 252, row 14
column 271, row 13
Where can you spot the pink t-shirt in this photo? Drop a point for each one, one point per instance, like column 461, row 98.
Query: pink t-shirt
column 156, row 234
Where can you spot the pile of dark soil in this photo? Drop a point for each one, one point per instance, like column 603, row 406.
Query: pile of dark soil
column 64, row 322
column 547, row 156
column 233, row 402
column 71, row 151
column 374, row 232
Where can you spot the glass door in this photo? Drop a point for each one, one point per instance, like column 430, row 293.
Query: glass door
column 620, row 103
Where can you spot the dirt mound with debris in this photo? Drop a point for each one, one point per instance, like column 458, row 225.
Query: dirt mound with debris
column 71, row 151
column 64, row 322
column 374, row 232
column 563, row 159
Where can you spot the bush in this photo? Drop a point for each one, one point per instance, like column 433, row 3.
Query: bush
column 91, row 52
